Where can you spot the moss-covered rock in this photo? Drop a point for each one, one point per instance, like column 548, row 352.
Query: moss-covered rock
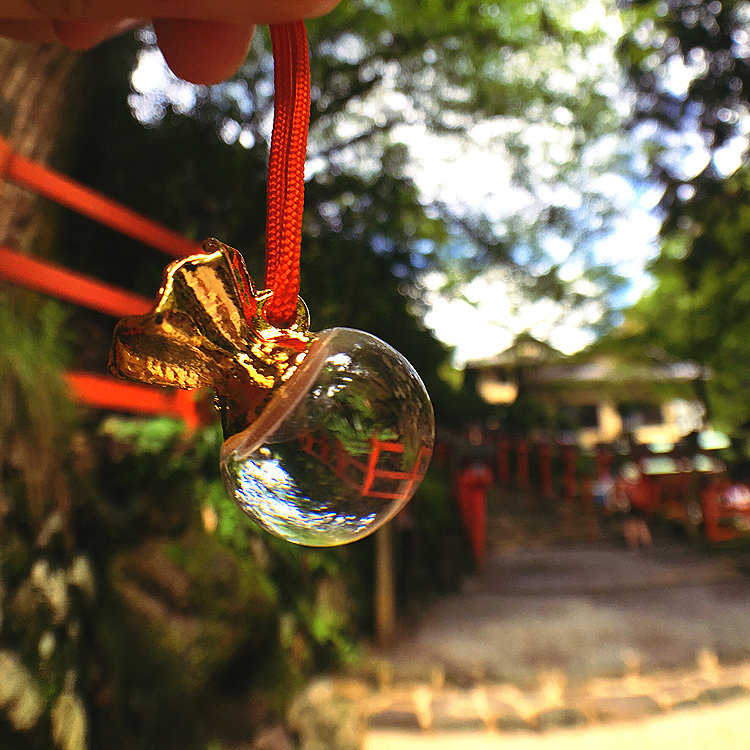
column 323, row 720
column 194, row 607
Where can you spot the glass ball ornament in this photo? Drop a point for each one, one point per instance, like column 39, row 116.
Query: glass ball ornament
column 327, row 435
column 341, row 447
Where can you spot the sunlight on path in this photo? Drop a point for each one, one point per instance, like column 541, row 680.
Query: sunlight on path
column 724, row 727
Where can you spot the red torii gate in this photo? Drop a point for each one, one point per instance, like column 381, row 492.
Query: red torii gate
column 92, row 389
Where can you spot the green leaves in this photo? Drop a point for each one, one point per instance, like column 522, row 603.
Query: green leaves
column 703, row 276
column 36, row 415
column 689, row 66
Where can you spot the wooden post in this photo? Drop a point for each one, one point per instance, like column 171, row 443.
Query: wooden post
column 522, row 463
column 503, row 461
column 587, row 492
column 545, row 470
column 385, row 594
column 570, row 458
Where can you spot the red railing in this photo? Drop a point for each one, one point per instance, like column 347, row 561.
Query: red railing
column 91, row 389
column 69, row 286
column 104, row 392
column 671, row 492
column 91, row 203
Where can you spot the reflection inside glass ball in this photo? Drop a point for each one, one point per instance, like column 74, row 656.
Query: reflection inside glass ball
column 340, row 448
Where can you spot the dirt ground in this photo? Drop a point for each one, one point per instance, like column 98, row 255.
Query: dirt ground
column 586, row 611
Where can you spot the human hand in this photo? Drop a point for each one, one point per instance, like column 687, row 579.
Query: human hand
column 203, row 42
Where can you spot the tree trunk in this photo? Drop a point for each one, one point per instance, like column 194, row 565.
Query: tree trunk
column 38, row 107
column 47, row 585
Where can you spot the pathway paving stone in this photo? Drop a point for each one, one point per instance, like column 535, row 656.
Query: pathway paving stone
column 723, row 693
column 557, row 718
column 396, row 717
column 456, row 712
column 625, row 708
column 503, row 716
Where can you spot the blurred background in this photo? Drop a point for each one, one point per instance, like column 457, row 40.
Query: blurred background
column 542, row 204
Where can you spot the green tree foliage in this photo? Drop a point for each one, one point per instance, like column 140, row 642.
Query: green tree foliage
column 689, row 64
column 442, row 68
column 46, row 585
column 703, row 279
column 35, row 415
column 384, row 74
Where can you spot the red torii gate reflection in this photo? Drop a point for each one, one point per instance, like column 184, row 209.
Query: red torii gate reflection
column 368, row 476
column 104, row 392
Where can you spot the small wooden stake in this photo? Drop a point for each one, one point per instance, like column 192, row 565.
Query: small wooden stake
column 385, row 597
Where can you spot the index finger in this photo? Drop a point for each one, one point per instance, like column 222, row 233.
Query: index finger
column 230, row 11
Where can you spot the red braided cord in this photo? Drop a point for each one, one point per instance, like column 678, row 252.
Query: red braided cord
column 286, row 170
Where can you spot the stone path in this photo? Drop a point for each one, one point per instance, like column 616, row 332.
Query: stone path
column 585, row 611
column 554, row 704
column 724, row 727
column 560, row 638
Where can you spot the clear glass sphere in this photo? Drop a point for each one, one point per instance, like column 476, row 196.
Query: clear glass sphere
column 339, row 449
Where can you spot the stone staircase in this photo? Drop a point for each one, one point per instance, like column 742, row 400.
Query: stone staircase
column 524, row 520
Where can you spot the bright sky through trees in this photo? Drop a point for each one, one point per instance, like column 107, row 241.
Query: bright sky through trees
column 474, row 171
column 486, row 317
